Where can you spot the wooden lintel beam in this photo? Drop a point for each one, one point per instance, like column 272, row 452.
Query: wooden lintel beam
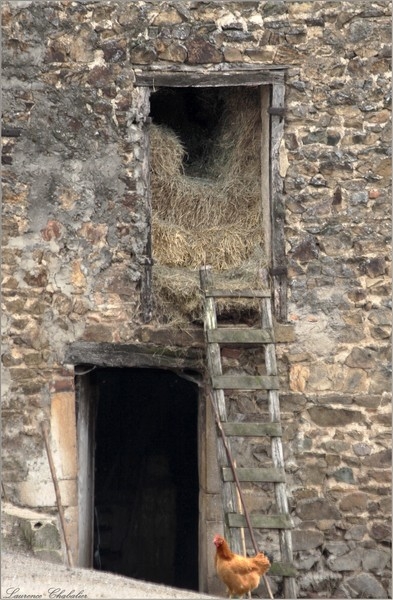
column 264, row 76
column 133, row 355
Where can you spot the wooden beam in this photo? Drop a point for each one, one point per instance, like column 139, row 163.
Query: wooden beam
column 264, row 475
column 146, row 261
column 277, row 110
column 260, row 521
column 265, row 172
column 252, row 429
column 245, row 382
column 240, row 336
column 133, row 355
column 280, row 569
column 277, row 208
column 198, row 78
column 85, row 401
column 285, row 537
column 246, row 293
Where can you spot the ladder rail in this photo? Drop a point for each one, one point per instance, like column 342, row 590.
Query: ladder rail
column 285, row 536
column 219, row 407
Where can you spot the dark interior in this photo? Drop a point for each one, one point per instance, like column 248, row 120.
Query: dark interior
column 194, row 115
column 146, row 476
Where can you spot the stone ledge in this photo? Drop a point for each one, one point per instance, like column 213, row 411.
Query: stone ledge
column 36, row 531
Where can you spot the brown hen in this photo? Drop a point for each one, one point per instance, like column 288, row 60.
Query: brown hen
column 241, row 574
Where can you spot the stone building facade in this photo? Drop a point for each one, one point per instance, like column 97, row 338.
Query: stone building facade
column 76, row 258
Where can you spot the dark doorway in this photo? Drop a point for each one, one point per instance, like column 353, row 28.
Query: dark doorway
column 146, row 476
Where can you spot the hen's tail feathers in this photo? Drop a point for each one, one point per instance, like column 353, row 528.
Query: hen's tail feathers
column 268, row 555
column 262, row 563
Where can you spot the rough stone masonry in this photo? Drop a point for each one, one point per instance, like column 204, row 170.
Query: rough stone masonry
column 75, row 231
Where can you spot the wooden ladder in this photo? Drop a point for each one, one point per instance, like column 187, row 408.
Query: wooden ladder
column 220, row 383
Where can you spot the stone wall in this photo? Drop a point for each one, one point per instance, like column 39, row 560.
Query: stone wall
column 75, row 233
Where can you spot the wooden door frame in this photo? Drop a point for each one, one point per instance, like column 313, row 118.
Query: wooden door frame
column 85, row 413
column 90, row 355
column 271, row 80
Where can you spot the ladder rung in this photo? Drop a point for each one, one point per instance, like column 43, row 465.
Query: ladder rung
column 260, row 521
column 264, row 475
column 252, row 429
column 283, row 570
column 240, row 336
column 245, row 382
column 247, row 293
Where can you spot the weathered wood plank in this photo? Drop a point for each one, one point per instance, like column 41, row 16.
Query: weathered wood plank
column 261, row 521
column 230, row 77
column 146, row 261
column 252, row 429
column 215, row 68
column 132, row 355
column 265, row 171
column 280, row 569
column 240, row 336
column 278, row 208
column 245, row 382
column 264, row 475
column 85, row 400
column 285, row 537
column 246, row 293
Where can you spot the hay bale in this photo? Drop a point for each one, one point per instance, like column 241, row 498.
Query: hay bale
column 178, row 297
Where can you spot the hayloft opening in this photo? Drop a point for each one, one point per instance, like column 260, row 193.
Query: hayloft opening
column 205, row 154
column 146, row 475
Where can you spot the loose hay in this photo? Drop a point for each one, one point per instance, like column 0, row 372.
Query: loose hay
column 179, row 300
column 215, row 219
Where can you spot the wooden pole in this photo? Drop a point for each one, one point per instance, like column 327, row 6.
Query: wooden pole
column 4, row 492
column 241, row 512
column 45, row 430
column 242, row 534
column 239, row 490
